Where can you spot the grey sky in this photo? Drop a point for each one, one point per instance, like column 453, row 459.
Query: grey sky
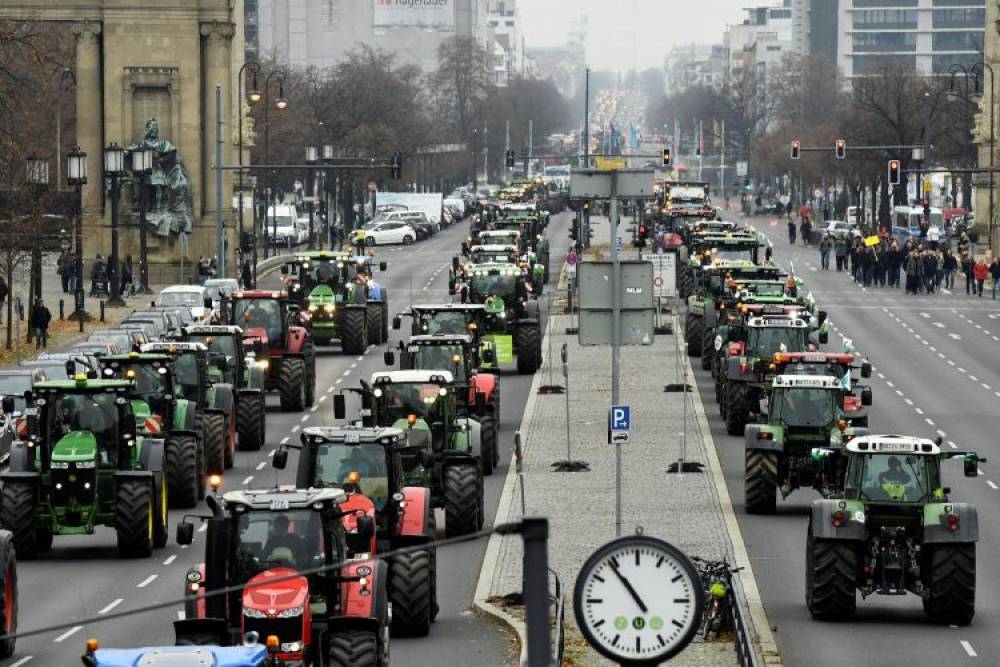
column 653, row 26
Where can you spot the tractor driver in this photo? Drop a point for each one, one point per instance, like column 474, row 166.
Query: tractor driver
column 894, row 474
column 281, row 539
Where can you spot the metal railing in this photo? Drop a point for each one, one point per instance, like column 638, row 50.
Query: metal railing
column 559, row 636
column 742, row 630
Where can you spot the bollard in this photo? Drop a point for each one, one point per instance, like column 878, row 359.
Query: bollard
column 62, row 309
column 102, row 310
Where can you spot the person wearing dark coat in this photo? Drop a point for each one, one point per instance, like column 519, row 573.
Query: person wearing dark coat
column 40, row 318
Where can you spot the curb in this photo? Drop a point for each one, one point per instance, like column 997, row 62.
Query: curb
column 763, row 637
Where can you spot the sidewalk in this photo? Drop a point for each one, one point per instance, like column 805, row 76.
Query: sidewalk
column 685, row 510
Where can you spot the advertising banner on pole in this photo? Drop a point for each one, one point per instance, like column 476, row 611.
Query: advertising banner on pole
column 413, row 13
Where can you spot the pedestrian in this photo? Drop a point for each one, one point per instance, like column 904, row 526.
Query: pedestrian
column 840, row 250
column 791, row 231
column 995, row 275
column 981, row 272
column 968, row 268
column 246, row 274
column 930, row 270
column 964, row 247
column 881, row 263
column 3, row 295
column 825, row 248
column 127, row 276
column 867, row 266
column 73, row 274
column 895, row 261
column 806, row 230
column 949, row 264
column 912, row 273
column 62, row 268
column 40, row 318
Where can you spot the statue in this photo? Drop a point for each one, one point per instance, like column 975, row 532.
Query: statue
column 171, row 210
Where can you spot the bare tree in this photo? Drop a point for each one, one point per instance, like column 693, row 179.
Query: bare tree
column 461, row 82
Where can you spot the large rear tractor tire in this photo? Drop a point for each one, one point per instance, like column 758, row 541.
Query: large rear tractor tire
column 161, row 518
column 250, row 414
column 385, row 315
column 528, row 344
column 8, row 591
column 214, row 430
column 374, row 315
column 291, row 384
column 707, row 347
column 760, row 481
column 488, row 444
column 309, row 357
column 17, row 514
column 134, row 519
column 951, row 580
column 353, row 333
column 411, row 592
column 463, row 490
column 692, row 334
column 181, row 469
column 354, row 648
column 737, row 412
column 831, row 568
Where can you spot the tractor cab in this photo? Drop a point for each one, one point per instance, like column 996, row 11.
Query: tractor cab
column 152, row 387
column 262, row 540
column 419, row 402
column 225, row 349
column 857, row 397
column 318, row 274
column 265, row 318
column 500, row 287
column 190, row 368
column 448, row 318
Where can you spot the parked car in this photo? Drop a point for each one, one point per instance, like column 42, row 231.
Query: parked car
column 149, row 330
column 97, row 348
column 191, row 297
column 124, row 339
column 281, row 228
column 838, row 229
column 386, row 233
column 14, row 385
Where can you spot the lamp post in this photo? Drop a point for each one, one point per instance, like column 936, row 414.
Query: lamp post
column 331, row 216
column 64, row 74
column 280, row 104
column 978, row 72
column 37, row 174
column 312, row 156
column 76, row 175
column 253, row 96
column 114, row 167
column 142, row 167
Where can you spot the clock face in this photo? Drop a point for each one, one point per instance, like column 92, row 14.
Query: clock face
column 638, row 599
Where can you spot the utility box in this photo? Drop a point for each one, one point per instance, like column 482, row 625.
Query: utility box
column 637, row 303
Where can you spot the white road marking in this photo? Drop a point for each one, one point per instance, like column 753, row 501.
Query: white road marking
column 888, row 383
column 968, row 649
column 110, row 606
column 314, row 408
column 354, row 365
column 951, row 443
column 986, row 386
column 22, row 661
column 908, row 401
column 295, row 429
column 339, row 380
column 180, row 616
column 992, row 485
column 322, row 398
column 284, row 441
column 899, row 393
column 305, row 418
column 939, row 325
column 270, row 454
column 933, row 349
column 346, row 373
column 951, row 363
column 247, row 480
column 954, row 336
column 361, row 358
column 974, row 378
column 147, row 581
column 929, row 421
column 69, row 633
column 925, row 315
column 941, row 355
column 260, row 466
column 942, row 433
column 330, row 390
column 170, row 559
column 961, row 370
column 918, row 411
column 203, row 527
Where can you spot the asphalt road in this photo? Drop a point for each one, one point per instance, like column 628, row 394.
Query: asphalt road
column 936, row 373
column 82, row 577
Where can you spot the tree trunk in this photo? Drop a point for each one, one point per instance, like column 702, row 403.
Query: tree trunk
column 884, row 211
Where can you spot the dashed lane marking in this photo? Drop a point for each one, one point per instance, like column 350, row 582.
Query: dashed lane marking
column 203, row 527
column 908, row 401
column 992, row 485
column 295, row 429
column 942, row 433
column 284, row 441
column 170, row 559
column 968, row 649
column 361, row 358
column 951, row 443
column 147, row 581
column 346, row 373
column 110, row 606
column 354, row 365
column 247, row 481
column 339, row 380
column 270, row 454
column 330, row 390
column 69, row 633
column 314, row 408
column 260, row 466
column 322, row 398
column 22, row 661
column 888, row 383
column 305, row 418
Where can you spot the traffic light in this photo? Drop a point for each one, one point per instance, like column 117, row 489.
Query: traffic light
column 396, row 167
column 841, row 148
column 796, row 149
column 667, row 160
column 894, row 172
column 509, row 158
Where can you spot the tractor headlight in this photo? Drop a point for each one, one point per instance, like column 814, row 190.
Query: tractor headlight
column 250, row 612
column 86, row 464
column 291, row 647
column 290, row 613
column 313, row 308
column 60, row 465
column 264, row 364
column 329, row 308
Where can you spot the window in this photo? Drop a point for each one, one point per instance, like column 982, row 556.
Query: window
column 865, row 42
column 960, row 18
column 958, row 41
column 871, row 64
column 886, row 18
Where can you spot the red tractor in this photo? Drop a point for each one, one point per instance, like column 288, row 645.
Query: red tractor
column 279, row 334
column 856, row 397
column 260, row 541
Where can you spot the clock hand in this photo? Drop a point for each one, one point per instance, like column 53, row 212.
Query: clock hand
column 630, row 589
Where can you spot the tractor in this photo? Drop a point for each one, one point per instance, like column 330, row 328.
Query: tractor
column 367, row 463
column 342, row 299
column 248, row 655
column 705, row 250
column 423, row 405
column 258, row 542
column 8, row 594
column 456, row 319
column 459, row 355
column 894, row 530
column 534, row 245
column 801, row 441
column 512, row 321
column 479, row 254
column 162, row 409
column 84, row 465
column 839, row 365
column 214, row 399
column 231, row 365
column 277, row 332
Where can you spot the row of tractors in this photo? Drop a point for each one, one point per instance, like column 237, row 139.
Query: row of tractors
column 884, row 523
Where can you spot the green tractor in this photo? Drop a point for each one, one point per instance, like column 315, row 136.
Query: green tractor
column 214, row 398
column 231, row 366
column 444, row 449
column 512, row 322
column 85, row 465
column 162, row 411
column 893, row 531
column 709, row 249
column 801, row 441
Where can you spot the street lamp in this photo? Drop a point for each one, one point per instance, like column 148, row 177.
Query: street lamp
column 37, row 174
column 76, row 175
column 254, row 95
column 142, row 168
column 114, row 168
column 282, row 103
column 978, row 72
column 312, row 156
column 252, row 98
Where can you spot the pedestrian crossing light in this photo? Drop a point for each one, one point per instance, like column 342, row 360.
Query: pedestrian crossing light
column 509, row 158
column 667, row 160
column 894, row 172
column 841, row 148
column 796, row 149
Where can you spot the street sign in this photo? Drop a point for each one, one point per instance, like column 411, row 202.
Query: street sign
column 664, row 274
column 619, row 243
column 928, row 186
column 619, row 424
column 636, row 299
column 596, row 184
column 741, row 168
column 619, row 438
column 571, row 258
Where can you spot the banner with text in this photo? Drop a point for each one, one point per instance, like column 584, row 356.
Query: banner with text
column 414, row 13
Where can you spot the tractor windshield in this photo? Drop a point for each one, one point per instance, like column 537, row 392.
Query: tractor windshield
column 150, row 384
column 186, row 376
column 278, row 539
column 735, row 253
column 896, row 478
column 503, row 285
column 765, row 289
column 223, row 346
column 336, row 462
column 766, row 341
column 411, row 398
column 440, row 357
column 511, row 238
column 92, row 412
column 262, row 313
column 326, row 273
column 808, row 407
column 446, row 322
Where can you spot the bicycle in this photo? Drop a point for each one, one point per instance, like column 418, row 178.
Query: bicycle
column 717, row 582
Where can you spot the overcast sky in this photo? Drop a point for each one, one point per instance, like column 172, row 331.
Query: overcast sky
column 653, row 26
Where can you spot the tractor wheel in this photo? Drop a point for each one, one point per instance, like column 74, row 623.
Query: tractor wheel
column 463, row 488
column 736, row 408
column 410, row 593
column 181, row 468
column 214, row 430
column 354, row 648
column 385, row 315
column 760, row 481
column 374, row 314
column 528, row 342
column 229, row 451
column 134, row 519
column 8, row 588
column 692, row 334
column 250, row 412
column 352, row 331
column 291, row 384
column 488, row 444
column 831, row 567
column 160, row 516
column 723, row 390
column 951, row 581
column 17, row 514
column 309, row 354
column 707, row 347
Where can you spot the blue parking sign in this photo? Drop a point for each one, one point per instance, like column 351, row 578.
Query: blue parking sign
column 620, row 418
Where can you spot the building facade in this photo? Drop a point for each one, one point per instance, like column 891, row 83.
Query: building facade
column 694, row 65
column 767, row 34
